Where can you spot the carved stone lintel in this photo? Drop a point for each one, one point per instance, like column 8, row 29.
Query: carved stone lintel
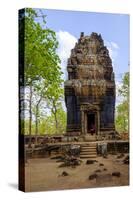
column 87, row 107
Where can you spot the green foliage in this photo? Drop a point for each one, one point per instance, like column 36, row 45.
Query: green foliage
column 41, row 60
column 122, row 110
column 47, row 125
column 122, row 117
column 42, row 73
column 124, row 90
column 25, row 127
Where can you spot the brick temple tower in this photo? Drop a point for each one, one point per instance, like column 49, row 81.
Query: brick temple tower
column 90, row 88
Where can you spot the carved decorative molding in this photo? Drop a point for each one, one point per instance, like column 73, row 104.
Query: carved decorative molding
column 88, row 107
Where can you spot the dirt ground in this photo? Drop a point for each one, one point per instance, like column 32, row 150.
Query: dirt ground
column 44, row 174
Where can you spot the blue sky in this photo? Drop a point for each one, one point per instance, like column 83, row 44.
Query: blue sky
column 114, row 29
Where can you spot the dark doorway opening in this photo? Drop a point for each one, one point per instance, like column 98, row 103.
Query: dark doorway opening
column 91, row 123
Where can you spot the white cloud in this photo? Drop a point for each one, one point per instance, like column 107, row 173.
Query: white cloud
column 114, row 45
column 113, row 50
column 66, row 43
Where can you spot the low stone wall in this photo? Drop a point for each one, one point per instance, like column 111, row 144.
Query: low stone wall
column 56, row 149
column 53, row 150
column 118, row 147
column 114, row 147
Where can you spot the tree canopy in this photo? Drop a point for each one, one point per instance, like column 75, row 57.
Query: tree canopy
column 122, row 110
column 41, row 59
column 42, row 71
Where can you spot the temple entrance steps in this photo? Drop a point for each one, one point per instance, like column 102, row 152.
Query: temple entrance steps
column 90, row 138
column 88, row 150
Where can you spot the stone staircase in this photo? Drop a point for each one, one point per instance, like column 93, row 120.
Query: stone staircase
column 90, row 138
column 88, row 150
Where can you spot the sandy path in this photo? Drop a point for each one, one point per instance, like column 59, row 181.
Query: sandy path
column 44, row 174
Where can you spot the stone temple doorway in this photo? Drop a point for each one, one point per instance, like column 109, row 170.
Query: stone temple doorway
column 91, row 123
column 90, row 119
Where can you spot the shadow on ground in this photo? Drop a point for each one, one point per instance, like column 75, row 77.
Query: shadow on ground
column 13, row 185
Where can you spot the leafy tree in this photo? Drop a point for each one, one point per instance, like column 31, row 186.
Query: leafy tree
column 122, row 117
column 48, row 123
column 41, row 61
column 124, row 90
column 54, row 98
column 122, row 110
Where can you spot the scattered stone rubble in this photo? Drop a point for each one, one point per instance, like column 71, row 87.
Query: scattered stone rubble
column 116, row 174
column 98, row 171
column 70, row 161
column 93, row 176
column 69, row 157
column 120, row 156
column 88, row 162
column 64, row 173
column 101, row 164
column 126, row 160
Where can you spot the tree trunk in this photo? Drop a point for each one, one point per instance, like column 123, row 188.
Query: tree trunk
column 37, row 113
column 55, row 116
column 56, row 122
column 124, row 120
column 36, row 125
column 30, row 114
